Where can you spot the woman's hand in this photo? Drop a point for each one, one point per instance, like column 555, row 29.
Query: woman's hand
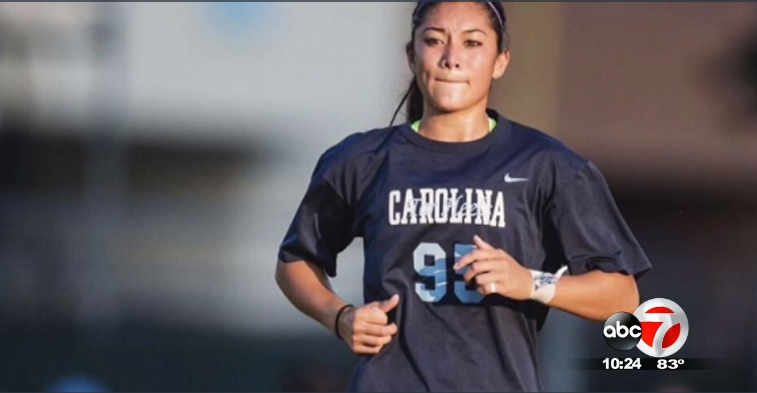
column 365, row 329
column 495, row 271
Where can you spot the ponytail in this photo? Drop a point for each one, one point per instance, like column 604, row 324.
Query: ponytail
column 414, row 108
column 413, row 100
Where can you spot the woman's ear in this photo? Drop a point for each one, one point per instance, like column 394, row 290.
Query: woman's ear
column 500, row 64
column 410, row 53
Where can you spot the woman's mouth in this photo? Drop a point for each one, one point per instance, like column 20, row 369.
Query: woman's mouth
column 449, row 81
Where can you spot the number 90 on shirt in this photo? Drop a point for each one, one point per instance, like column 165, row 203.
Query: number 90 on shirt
column 442, row 274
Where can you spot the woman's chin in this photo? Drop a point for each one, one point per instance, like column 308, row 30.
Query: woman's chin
column 449, row 106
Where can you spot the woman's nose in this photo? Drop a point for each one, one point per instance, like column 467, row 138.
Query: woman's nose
column 451, row 59
column 446, row 63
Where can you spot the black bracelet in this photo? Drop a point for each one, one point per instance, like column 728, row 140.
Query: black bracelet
column 336, row 320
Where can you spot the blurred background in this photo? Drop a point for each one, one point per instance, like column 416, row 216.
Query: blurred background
column 153, row 155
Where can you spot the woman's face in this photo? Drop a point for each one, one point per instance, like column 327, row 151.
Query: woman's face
column 455, row 56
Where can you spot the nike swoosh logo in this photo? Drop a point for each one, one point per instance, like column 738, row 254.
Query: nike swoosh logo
column 509, row 179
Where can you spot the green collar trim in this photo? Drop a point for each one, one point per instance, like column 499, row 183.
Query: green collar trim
column 417, row 124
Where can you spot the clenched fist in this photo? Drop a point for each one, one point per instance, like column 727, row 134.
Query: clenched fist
column 366, row 329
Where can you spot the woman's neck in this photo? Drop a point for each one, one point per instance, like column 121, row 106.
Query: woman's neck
column 461, row 126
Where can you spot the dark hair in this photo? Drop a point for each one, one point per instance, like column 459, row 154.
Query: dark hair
column 414, row 98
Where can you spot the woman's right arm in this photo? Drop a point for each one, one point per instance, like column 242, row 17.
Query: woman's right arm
column 365, row 329
column 308, row 288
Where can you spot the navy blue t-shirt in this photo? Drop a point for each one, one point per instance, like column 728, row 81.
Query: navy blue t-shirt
column 417, row 203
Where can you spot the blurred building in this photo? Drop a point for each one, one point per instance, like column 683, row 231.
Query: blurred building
column 152, row 156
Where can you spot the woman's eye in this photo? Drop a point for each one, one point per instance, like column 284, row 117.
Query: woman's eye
column 432, row 41
column 472, row 43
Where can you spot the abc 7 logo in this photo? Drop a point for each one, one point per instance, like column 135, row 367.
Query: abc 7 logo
column 659, row 328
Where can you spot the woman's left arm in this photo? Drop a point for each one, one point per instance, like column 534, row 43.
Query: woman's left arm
column 593, row 295
column 596, row 295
